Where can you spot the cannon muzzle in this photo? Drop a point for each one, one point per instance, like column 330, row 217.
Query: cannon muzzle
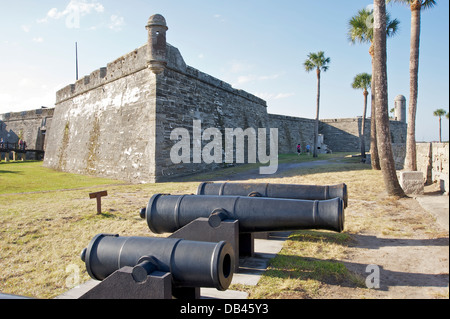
column 292, row 191
column 191, row 263
column 168, row 213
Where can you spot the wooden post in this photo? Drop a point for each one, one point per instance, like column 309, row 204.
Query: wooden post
column 98, row 196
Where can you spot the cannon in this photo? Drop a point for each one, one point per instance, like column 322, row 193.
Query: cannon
column 168, row 213
column 191, row 263
column 292, row 191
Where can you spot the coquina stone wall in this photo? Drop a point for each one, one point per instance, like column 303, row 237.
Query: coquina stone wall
column 344, row 135
column 292, row 131
column 432, row 161
column 104, row 124
column 31, row 126
column 184, row 95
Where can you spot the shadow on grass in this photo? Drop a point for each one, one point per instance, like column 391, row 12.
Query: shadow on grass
column 351, row 274
column 348, row 274
column 373, row 242
column 19, row 162
column 98, row 217
column 314, row 236
column 330, row 272
column 10, row 172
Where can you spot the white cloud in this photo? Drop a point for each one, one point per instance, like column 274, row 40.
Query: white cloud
column 219, row 17
column 273, row 96
column 76, row 8
column 28, row 94
column 245, row 79
column 38, row 39
column 6, row 98
column 25, row 28
column 54, row 14
column 251, row 78
column 239, row 67
column 269, row 77
column 116, row 23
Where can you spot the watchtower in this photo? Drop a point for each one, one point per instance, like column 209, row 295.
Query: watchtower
column 157, row 28
column 400, row 108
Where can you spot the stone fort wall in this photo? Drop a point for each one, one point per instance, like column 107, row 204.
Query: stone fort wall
column 343, row 135
column 185, row 94
column 31, row 126
column 103, row 125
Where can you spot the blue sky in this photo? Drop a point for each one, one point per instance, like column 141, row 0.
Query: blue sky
column 255, row 45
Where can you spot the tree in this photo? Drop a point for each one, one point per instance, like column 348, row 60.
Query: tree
column 387, row 163
column 440, row 113
column 416, row 7
column 317, row 61
column 363, row 81
column 392, row 111
column 361, row 30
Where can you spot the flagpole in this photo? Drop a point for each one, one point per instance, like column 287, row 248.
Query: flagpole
column 76, row 57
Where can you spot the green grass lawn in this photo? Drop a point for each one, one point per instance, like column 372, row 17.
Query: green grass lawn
column 31, row 176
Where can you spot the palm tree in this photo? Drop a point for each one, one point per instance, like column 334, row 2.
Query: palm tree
column 387, row 163
column 440, row 113
column 317, row 61
column 416, row 7
column 363, row 81
column 361, row 30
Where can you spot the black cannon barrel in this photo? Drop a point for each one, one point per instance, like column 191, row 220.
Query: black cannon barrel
column 191, row 263
column 292, row 191
column 168, row 213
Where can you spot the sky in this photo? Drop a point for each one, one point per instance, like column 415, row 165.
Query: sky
column 255, row 45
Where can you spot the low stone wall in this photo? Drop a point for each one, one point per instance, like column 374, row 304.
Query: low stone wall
column 440, row 165
column 432, row 161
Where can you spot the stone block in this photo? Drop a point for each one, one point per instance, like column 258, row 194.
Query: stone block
column 412, row 182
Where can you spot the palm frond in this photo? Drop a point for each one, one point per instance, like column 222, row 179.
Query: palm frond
column 440, row 112
column 317, row 61
column 359, row 27
column 425, row 4
column 428, row 4
column 362, row 81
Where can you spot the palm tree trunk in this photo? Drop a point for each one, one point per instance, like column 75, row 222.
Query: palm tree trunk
column 440, row 132
column 363, row 127
column 316, row 125
column 411, row 157
column 392, row 185
column 374, row 157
